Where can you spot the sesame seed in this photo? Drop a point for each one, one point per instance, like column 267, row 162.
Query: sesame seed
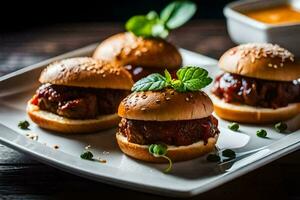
column 143, row 108
column 270, row 65
column 231, row 52
column 157, row 101
column 89, row 68
column 262, row 50
column 144, row 49
column 187, row 99
column 126, row 50
column 137, row 53
column 168, row 98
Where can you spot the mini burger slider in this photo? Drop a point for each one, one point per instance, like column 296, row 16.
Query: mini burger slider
column 260, row 84
column 79, row 95
column 166, row 118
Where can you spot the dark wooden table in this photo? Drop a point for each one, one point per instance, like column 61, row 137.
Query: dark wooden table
column 21, row 177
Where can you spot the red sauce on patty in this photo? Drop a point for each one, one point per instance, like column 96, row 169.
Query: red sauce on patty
column 234, row 88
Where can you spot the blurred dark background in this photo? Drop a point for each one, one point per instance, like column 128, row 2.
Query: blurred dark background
column 16, row 15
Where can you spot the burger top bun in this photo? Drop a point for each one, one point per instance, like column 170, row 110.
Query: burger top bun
column 128, row 49
column 86, row 72
column 263, row 61
column 165, row 105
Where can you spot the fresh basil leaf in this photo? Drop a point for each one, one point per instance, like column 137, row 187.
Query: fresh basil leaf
column 189, row 79
column 151, row 82
column 191, row 72
column 153, row 25
column 141, row 25
column 166, row 13
column 168, row 76
column 159, row 30
column 181, row 73
column 152, row 15
column 178, row 13
column 147, row 26
column 178, row 85
column 197, row 84
column 193, row 78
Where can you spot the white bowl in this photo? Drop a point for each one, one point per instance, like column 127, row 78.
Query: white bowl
column 243, row 29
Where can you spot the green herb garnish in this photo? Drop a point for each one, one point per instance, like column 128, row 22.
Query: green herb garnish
column 87, row 155
column 189, row 78
column 229, row 153
column 213, row 158
column 234, row 126
column 24, row 125
column 280, row 127
column 160, row 150
column 261, row 133
column 171, row 17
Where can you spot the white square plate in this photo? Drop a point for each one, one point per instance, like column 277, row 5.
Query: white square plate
column 186, row 179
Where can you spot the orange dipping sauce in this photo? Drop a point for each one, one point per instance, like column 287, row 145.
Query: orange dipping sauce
column 282, row 14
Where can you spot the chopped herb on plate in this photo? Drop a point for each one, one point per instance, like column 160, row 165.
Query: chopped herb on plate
column 229, row 153
column 280, row 127
column 24, row 125
column 261, row 133
column 234, row 126
column 87, row 155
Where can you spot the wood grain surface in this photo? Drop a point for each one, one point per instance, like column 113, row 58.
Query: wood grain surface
column 21, row 177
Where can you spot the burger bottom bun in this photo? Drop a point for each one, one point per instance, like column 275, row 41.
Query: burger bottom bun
column 57, row 123
column 175, row 153
column 250, row 114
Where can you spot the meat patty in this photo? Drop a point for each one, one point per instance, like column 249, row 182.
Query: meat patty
column 139, row 72
column 183, row 132
column 78, row 103
column 256, row 92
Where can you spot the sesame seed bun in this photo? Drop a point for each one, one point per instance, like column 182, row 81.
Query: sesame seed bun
column 263, row 61
column 127, row 49
column 165, row 105
column 175, row 153
column 249, row 114
column 51, row 121
column 86, row 72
